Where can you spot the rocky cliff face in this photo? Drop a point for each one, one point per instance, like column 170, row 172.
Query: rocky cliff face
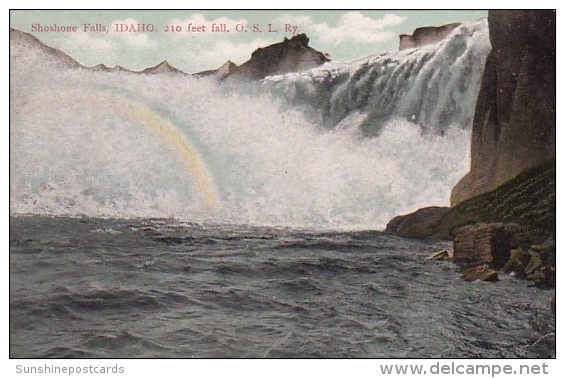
column 514, row 123
column 426, row 35
column 290, row 55
column 419, row 224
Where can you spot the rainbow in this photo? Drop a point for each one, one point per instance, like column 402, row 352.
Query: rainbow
column 137, row 113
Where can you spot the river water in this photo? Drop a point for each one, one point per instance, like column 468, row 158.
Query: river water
column 88, row 287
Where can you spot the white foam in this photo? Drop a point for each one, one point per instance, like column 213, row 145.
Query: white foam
column 272, row 164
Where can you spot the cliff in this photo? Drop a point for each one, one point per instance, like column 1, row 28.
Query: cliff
column 290, row 55
column 527, row 200
column 513, row 170
column 426, row 35
column 514, row 123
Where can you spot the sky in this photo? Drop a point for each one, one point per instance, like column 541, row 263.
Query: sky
column 137, row 39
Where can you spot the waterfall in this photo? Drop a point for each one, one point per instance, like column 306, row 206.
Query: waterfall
column 342, row 146
column 434, row 86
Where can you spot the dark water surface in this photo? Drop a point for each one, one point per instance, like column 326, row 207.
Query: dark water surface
column 158, row 288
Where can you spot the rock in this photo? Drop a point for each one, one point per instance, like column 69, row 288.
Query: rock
column 482, row 272
column 534, row 264
column 552, row 304
column 541, row 267
column 516, row 262
column 514, row 122
column 485, row 243
column 426, row 35
column 544, row 277
column 546, row 248
column 528, row 200
column 290, row 55
column 538, row 276
column 550, row 276
column 418, row 224
column 442, row 255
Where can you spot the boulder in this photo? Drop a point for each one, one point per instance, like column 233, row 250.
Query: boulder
column 485, row 243
column 537, row 276
column 544, row 277
column 481, row 272
column 534, row 264
column 442, row 255
column 516, row 262
column 419, row 224
column 547, row 248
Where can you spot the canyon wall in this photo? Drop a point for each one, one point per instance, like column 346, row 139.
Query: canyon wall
column 426, row 35
column 514, row 123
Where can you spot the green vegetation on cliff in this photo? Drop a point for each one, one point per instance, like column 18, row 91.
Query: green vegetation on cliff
column 528, row 200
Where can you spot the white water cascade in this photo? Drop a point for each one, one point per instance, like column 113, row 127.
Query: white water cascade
column 343, row 146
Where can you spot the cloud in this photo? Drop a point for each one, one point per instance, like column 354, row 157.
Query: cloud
column 89, row 50
column 218, row 52
column 235, row 51
column 351, row 27
column 300, row 20
column 84, row 39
